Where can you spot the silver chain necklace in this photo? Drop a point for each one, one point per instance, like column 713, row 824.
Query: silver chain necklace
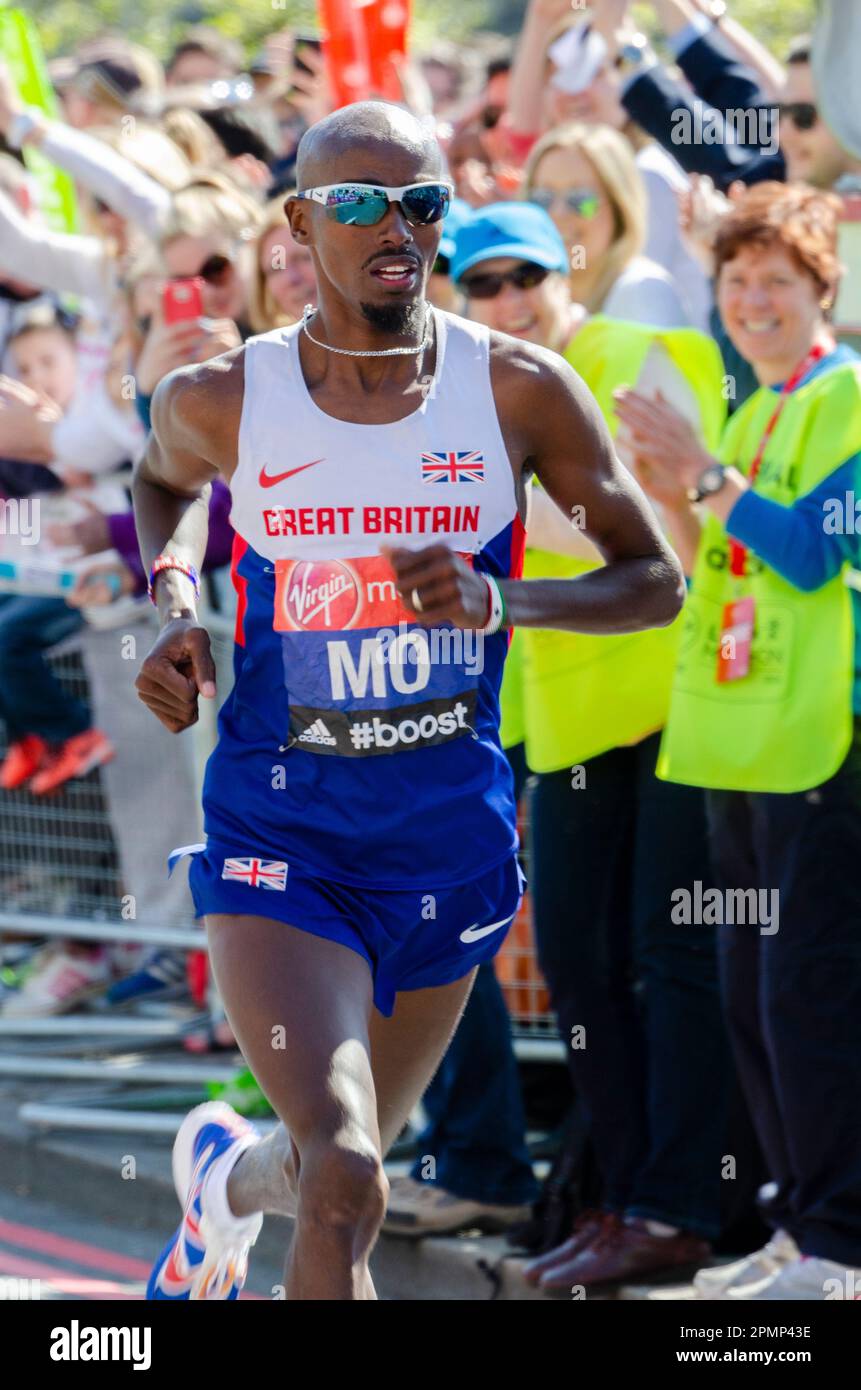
column 376, row 352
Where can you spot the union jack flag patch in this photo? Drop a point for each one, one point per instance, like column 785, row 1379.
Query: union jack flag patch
column 257, row 873
column 453, row 466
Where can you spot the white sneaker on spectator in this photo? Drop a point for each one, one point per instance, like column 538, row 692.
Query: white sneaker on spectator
column 426, row 1209
column 57, row 983
column 714, row 1283
column 806, row 1278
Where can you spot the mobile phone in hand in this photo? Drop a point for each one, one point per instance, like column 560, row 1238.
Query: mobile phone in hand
column 182, row 300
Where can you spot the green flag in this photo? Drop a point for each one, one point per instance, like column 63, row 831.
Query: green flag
column 21, row 50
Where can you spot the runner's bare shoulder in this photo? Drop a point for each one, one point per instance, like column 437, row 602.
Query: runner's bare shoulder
column 540, row 399
column 197, row 408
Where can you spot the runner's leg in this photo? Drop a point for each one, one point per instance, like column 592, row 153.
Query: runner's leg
column 403, row 1061
column 300, row 1007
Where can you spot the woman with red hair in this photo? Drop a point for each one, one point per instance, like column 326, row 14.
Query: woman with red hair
column 765, row 715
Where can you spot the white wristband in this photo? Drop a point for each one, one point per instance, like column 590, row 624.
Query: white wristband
column 497, row 607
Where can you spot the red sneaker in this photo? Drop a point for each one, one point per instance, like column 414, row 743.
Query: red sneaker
column 23, row 758
column 77, row 757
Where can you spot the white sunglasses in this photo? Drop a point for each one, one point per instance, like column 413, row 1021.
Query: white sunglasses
column 365, row 204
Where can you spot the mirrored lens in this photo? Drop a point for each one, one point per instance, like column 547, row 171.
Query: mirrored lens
column 425, row 205
column 356, row 206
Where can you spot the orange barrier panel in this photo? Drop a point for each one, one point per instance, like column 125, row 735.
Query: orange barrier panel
column 387, row 24
column 345, row 48
column 517, row 970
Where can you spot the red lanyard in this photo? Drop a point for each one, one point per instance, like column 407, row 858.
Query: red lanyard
column 737, row 551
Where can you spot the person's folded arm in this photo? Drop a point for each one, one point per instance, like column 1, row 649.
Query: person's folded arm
column 57, row 261
column 115, row 180
column 802, row 543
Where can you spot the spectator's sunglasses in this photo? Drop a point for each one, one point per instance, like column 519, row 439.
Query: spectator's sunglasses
column 215, row 270
column 803, row 114
column 526, row 276
column 585, row 202
column 366, row 204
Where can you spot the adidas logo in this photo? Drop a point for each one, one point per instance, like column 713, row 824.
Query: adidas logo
column 318, row 733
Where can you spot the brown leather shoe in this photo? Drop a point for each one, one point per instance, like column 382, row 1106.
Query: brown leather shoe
column 622, row 1250
column 586, row 1225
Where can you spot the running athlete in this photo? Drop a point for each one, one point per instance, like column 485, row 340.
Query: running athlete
column 361, row 846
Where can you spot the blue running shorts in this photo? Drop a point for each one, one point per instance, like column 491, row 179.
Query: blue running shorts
column 411, row 939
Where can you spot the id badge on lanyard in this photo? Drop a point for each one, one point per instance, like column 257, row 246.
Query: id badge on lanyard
column 736, row 639
column 738, row 619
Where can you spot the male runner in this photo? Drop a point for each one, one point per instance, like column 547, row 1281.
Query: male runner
column 360, row 857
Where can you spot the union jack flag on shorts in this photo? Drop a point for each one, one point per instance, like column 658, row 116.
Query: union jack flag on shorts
column 453, row 466
column 257, row 873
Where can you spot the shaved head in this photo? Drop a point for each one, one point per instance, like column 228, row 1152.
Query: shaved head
column 368, row 127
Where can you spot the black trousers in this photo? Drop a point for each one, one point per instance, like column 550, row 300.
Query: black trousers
column 654, row 1064
column 792, row 997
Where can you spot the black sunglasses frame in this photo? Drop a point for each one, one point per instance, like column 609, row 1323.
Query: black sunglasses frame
column 527, row 270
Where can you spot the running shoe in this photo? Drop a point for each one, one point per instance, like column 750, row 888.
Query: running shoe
column 207, row 1257
column 805, row 1279
column 161, row 976
column 418, row 1209
column 23, row 759
column 716, row 1282
column 57, row 982
column 76, row 757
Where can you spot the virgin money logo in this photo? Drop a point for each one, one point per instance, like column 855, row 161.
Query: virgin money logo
column 320, row 594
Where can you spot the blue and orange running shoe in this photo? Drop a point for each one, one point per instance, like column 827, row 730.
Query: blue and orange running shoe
column 207, row 1257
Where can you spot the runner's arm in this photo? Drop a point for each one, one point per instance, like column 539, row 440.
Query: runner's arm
column 552, row 422
column 170, row 492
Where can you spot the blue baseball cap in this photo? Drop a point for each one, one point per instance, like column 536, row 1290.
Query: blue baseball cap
column 459, row 212
column 522, row 230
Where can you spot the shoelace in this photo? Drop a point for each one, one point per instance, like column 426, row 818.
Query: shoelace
column 228, row 1267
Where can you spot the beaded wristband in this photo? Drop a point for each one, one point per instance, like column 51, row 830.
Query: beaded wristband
column 496, row 611
column 171, row 562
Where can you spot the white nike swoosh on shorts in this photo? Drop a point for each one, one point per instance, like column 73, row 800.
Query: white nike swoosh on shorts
column 475, row 932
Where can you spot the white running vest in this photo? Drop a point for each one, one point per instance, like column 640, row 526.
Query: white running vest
column 308, row 486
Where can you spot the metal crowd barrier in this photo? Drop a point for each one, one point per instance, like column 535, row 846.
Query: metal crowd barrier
column 60, row 878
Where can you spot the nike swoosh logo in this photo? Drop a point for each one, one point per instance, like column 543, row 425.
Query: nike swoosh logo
column 475, row 932
column 266, row 481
